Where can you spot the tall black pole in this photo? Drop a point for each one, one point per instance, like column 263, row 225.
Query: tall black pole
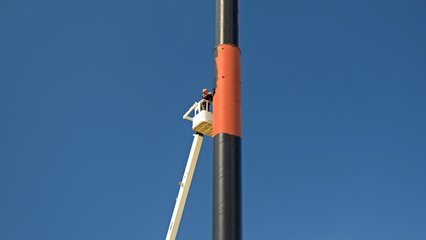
column 227, row 219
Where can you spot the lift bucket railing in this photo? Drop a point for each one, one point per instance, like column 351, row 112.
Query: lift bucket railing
column 197, row 107
column 202, row 119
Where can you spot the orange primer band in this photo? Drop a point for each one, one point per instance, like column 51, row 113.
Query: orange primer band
column 227, row 97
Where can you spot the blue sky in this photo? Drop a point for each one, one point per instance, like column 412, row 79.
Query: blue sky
column 92, row 144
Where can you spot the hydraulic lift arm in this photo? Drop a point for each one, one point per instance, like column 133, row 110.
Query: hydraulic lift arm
column 185, row 184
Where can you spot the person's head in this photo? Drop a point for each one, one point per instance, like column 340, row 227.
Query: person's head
column 205, row 91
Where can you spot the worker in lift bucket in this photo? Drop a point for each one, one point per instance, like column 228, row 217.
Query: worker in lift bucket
column 207, row 96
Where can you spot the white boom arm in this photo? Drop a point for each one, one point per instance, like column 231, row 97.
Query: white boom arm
column 184, row 187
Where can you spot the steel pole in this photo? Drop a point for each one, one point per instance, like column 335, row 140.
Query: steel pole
column 227, row 209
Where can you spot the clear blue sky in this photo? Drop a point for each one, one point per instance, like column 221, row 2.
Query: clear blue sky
column 92, row 144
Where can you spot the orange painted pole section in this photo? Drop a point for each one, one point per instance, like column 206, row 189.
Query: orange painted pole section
column 227, row 98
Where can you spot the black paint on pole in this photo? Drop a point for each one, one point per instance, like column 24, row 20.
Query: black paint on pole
column 227, row 187
column 227, row 22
